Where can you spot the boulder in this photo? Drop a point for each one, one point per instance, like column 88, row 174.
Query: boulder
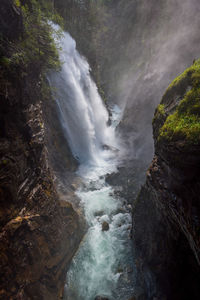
column 105, row 226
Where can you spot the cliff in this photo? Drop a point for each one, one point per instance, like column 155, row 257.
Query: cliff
column 166, row 214
column 39, row 232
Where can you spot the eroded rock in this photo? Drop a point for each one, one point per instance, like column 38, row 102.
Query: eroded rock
column 39, row 234
column 166, row 214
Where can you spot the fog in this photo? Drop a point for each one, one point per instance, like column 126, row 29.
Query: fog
column 148, row 43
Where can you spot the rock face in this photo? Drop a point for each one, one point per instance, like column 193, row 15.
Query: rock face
column 167, row 243
column 105, row 226
column 39, row 233
column 12, row 13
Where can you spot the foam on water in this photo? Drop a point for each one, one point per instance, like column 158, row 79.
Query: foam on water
column 104, row 258
column 100, row 266
column 82, row 113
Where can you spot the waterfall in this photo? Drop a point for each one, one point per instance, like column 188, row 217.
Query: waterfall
column 83, row 115
column 101, row 265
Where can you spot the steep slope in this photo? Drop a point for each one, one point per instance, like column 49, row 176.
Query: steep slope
column 168, row 242
column 39, row 232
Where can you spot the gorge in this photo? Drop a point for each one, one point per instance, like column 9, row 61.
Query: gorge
column 104, row 255
column 80, row 219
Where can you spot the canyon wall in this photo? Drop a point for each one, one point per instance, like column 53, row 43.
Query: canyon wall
column 39, row 231
column 166, row 214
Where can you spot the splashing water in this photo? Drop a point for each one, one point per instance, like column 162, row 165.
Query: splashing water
column 83, row 116
column 102, row 264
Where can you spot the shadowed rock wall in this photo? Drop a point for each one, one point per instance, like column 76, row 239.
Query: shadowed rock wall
column 166, row 214
column 39, row 232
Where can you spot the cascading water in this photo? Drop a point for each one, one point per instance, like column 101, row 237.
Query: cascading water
column 83, row 116
column 103, row 264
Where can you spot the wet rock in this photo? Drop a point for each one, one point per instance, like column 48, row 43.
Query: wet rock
column 38, row 233
column 34, row 224
column 120, row 269
column 105, row 226
column 132, row 298
column 12, row 28
column 106, row 147
column 99, row 213
column 101, row 298
column 166, row 212
column 129, row 270
column 121, row 210
column 110, row 148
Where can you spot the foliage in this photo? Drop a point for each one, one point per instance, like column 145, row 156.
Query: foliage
column 34, row 50
column 17, row 3
column 37, row 46
column 160, row 109
column 184, row 123
column 159, row 113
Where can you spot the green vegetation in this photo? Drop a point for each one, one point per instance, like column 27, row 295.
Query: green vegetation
column 194, row 70
column 161, row 109
column 159, row 113
column 36, row 47
column 184, row 123
column 33, row 51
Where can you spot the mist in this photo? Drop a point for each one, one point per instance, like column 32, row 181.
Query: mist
column 152, row 43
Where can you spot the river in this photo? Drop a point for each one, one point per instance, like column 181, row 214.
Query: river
column 103, row 264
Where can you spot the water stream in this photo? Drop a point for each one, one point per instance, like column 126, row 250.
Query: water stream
column 103, row 264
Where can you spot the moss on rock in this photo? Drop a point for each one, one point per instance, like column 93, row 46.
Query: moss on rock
column 183, row 122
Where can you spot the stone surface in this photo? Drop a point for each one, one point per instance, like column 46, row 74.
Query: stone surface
column 12, row 13
column 101, row 298
column 105, row 226
column 39, row 232
column 167, row 244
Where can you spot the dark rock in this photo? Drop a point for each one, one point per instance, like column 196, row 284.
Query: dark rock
column 12, row 29
column 166, row 214
column 106, row 147
column 101, row 298
column 39, row 234
column 99, row 213
column 111, row 148
column 120, row 269
column 60, row 155
column 105, row 226
column 128, row 179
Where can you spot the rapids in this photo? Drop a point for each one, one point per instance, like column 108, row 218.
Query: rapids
column 103, row 264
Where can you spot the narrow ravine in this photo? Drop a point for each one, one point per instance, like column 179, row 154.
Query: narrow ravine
column 103, row 265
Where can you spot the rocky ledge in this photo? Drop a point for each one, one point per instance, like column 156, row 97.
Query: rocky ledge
column 39, row 231
column 166, row 214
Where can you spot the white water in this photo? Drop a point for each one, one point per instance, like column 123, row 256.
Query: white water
column 84, row 118
column 104, row 260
